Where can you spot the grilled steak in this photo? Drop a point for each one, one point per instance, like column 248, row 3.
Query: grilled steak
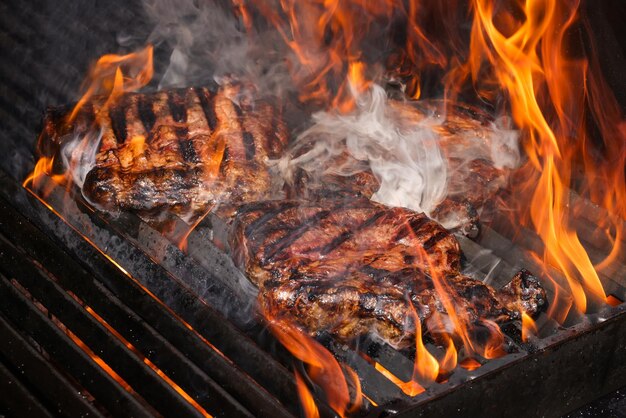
column 372, row 300
column 332, row 237
column 350, row 266
column 329, row 258
column 477, row 153
column 185, row 151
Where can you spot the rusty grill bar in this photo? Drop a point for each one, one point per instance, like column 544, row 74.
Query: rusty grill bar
column 105, row 316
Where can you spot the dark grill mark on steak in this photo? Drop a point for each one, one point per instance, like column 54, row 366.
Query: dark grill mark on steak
column 274, row 146
column 146, row 113
column 207, row 102
column 267, row 215
column 428, row 244
column 272, row 251
column 188, row 151
column 238, row 110
column 337, row 241
column 176, row 104
column 248, row 143
column 417, row 223
column 117, row 114
column 225, row 160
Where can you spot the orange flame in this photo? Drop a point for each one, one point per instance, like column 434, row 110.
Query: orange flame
column 470, row 364
column 548, row 93
column 426, row 366
column 613, row 301
column 410, row 388
column 528, row 327
column 323, row 369
column 489, row 345
column 111, row 77
column 330, row 39
column 306, row 399
column 449, row 361
column 114, row 75
column 43, row 167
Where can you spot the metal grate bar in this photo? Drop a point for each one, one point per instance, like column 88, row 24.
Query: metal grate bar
column 51, row 387
column 120, row 358
column 16, row 399
column 185, row 340
column 59, row 346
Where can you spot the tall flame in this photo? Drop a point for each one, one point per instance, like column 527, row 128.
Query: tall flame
column 548, row 92
column 330, row 39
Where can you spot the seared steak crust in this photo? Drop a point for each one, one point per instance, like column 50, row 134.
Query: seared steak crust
column 371, row 300
column 181, row 150
column 331, row 237
column 351, row 266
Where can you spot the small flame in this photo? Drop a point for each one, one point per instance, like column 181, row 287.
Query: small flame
column 470, row 364
column 449, row 361
column 426, row 366
column 111, row 77
column 613, row 301
column 410, row 388
column 323, row 369
column 43, row 167
column 529, row 327
column 114, row 75
column 306, row 399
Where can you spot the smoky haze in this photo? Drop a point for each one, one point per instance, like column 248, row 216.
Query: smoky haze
column 210, row 43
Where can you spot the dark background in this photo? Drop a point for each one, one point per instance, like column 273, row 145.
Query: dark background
column 46, row 48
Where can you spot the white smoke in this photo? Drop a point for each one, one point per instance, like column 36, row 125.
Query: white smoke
column 208, row 42
column 415, row 165
column 402, row 147
column 79, row 154
column 402, row 154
